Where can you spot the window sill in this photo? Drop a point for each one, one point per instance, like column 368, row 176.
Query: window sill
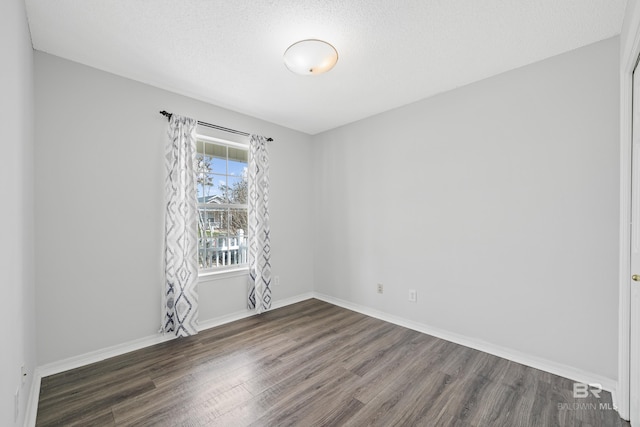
column 208, row 276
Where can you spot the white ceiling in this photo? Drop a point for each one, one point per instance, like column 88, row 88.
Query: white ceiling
column 391, row 53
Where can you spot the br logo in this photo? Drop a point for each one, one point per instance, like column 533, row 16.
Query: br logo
column 581, row 390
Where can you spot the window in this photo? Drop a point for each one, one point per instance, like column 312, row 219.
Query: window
column 221, row 168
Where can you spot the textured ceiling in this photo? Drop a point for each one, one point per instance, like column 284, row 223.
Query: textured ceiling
column 229, row 52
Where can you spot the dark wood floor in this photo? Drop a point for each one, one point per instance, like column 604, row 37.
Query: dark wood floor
column 314, row 364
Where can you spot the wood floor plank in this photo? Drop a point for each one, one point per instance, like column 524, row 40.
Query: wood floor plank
column 297, row 407
column 79, row 405
column 314, row 364
column 98, row 419
column 396, row 366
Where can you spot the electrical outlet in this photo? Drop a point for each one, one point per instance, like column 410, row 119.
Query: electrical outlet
column 276, row 280
column 380, row 288
column 413, row 295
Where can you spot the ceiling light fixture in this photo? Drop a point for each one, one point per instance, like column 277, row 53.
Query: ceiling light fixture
column 308, row 57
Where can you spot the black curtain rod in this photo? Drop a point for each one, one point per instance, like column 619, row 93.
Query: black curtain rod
column 209, row 125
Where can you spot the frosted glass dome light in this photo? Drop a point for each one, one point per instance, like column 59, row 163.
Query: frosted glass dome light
column 308, row 57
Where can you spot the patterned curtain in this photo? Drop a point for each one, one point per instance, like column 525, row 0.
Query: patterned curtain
column 181, row 233
column 259, row 243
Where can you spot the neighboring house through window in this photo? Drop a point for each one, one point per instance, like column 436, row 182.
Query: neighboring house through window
column 221, row 168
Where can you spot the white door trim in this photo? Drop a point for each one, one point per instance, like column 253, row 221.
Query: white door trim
column 624, row 299
column 629, row 53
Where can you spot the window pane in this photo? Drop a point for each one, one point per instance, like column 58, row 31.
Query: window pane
column 204, row 219
column 238, row 234
column 219, row 223
column 219, row 165
column 200, row 146
column 238, row 160
column 202, row 167
column 238, row 221
column 202, row 164
column 215, row 186
column 200, row 187
column 237, row 191
column 214, row 150
column 236, row 154
column 204, row 239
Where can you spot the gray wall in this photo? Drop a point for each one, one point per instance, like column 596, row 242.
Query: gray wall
column 16, row 213
column 497, row 202
column 99, row 208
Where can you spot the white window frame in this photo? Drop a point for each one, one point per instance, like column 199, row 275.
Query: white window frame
column 221, row 272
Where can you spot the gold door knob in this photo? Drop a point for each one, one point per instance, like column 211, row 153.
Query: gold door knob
column 636, row 277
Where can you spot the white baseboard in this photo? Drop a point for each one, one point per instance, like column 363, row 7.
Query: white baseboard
column 555, row 368
column 102, row 354
column 32, row 403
